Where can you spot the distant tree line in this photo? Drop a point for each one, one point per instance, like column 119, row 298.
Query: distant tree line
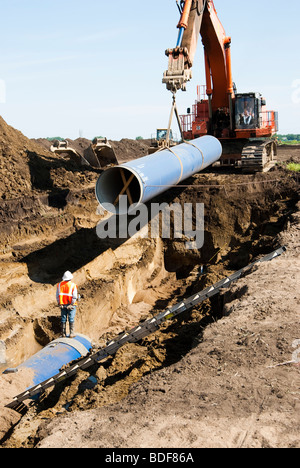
column 289, row 137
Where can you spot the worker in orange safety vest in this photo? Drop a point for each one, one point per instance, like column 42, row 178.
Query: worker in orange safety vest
column 66, row 296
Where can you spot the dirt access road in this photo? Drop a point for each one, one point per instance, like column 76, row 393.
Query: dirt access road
column 211, row 378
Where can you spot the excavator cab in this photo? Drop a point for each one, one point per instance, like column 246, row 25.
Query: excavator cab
column 247, row 111
column 161, row 134
column 160, row 140
column 251, row 113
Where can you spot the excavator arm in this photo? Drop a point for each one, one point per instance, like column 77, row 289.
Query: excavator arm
column 199, row 17
column 182, row 56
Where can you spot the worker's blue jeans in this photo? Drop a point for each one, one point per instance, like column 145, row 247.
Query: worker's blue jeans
column 68, row 314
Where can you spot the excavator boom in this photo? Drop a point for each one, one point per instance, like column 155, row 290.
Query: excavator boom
column 200, row 17
column 182, row 56
column 236, row 119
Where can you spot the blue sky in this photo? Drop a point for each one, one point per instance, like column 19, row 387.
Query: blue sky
column 75, row 68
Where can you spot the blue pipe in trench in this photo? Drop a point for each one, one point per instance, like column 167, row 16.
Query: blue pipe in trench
column 49, row 360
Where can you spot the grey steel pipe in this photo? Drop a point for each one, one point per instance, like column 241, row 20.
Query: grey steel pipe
column 147, row 177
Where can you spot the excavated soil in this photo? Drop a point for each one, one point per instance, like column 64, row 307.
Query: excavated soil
column 215, row 377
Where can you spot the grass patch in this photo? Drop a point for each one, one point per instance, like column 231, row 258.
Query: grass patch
column 293, row 167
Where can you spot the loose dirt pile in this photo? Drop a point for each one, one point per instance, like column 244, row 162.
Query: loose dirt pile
column 14, row 162
column 35, row 186
column 10, row 386
column 204, row 380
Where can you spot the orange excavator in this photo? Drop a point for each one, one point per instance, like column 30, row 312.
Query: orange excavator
column 240, row 121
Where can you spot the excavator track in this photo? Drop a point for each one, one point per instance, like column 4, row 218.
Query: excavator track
column 258, row 156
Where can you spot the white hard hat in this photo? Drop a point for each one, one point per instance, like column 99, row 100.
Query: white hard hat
column 67, row 276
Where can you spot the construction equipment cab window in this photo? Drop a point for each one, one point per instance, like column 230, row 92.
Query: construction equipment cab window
column 247, row 111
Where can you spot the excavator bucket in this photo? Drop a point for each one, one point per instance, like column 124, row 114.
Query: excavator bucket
column 100, row 154
column 63, row 148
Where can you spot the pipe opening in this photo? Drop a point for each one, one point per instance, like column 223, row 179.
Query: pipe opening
column 117, row 182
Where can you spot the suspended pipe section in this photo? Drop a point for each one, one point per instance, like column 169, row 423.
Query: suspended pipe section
column 145, row 178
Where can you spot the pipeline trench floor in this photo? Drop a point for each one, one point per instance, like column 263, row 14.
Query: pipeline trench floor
column 207, row 371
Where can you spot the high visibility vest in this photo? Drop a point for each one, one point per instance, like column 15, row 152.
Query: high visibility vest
column 65, row 292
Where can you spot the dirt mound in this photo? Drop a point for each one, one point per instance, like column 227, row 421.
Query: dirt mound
column 15, row 177
column 289, row 153
column 34, row 185
column 127, row 150
column 44, row 142
column 27, row 167
column 10, row 385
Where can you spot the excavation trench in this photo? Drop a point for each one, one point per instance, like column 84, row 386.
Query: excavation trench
column 123, row 282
